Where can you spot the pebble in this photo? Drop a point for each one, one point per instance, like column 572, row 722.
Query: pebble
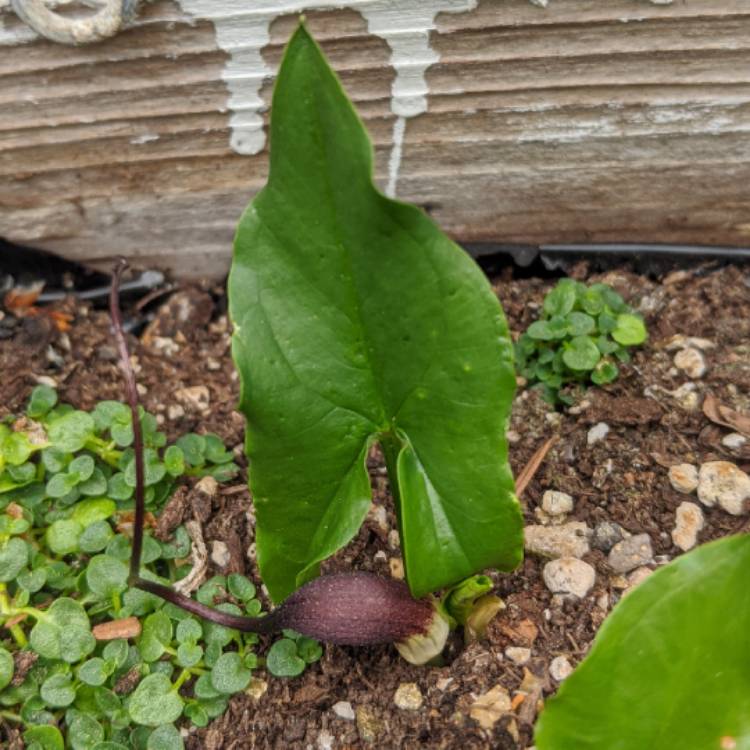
column 631, row 553
column 220, row 555
column 560, row 668
column 325, row 740
column 566, row 540
column 408, row 697
column 379, row 515
column 606, row 535
column 680, row 341
column 733, row 441
column 368, row 724
column 46, row 380
column 687, row 397
column 691, row 362
column 724, row 483
column 175, row 411
column 688, row 522
column 394, row 541
column 637, row 577
column 518, row 654
column 396, row 566
column 557, row 503
column 196, row 397
column 569, row 575
column 490, row 707
column 344, row 710
column 683, row 478
column 598, row 432
column 257, row 688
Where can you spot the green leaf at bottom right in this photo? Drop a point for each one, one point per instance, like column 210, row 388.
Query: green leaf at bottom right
column 670, row 668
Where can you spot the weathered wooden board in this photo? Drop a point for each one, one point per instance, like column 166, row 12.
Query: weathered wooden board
column 624, row 120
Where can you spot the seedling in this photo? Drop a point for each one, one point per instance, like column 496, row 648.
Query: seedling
column 582, row 334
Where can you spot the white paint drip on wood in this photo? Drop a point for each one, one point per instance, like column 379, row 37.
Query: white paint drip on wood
column 394, row 162
column 242, row 30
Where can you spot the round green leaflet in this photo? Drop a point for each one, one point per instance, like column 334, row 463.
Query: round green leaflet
column 46, row 737
column 62, row 536
column 93, row 672
column 165, row 737
column 580, row 324
column 581, row 354
column 83, row 731
column 669, row 667
column 282, row 659
column 14, row 554
column 70, row 432
column 63, row 632
column 106, row 576
column 154, row 702
column 561, row 299
column 42, row 399
column 155, row 636
column 229, row 675
column 6, row 667
column 87, row 512
column 630, row 330
column 57, row 691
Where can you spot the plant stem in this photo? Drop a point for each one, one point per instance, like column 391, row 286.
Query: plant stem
column 6, row 610
column 184, row 676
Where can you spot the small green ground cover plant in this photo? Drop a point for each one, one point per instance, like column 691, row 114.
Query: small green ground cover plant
column 67, row 481
column 582, row 334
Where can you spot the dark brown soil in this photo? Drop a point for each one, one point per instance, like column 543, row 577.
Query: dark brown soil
column 622, row 478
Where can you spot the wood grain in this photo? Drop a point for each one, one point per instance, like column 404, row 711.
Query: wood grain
column 585, row 121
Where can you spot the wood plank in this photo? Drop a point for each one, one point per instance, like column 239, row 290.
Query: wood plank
column 585, row 121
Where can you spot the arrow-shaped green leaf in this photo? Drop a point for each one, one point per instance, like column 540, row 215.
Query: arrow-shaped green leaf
column 356, row 321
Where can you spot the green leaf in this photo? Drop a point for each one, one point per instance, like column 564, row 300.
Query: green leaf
column 669, row 667
column 591, row 301
column 580, row 324
column 282, row 659
column 16, row 448
column 63, row 632
column 165, row 737
column 93, row 672
column 561, row 299
column 630, row 330
column 355, row 320
column 70, row 432
column 581, row 354
column 14, row 554
column 116, row 651
column 95, row 485
column 82, row 467
column 193, row 448
column 87, row 512
column 240, row 587
column 95, row 537
column 188, row 630
column 62, row 536
column 6, row 668
column 32, row 580
column 83, row 731
column 118, row 488
column 189, row 654
column 154, row 702
column 215, row 450
column 604, row 372
column 57, row 691
column 174, row 461
column 229, row 675
column 106, row 576
column 46, row 737
column 155, row 636
column 153, row 469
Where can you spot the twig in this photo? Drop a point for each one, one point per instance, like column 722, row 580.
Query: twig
column 531, row 468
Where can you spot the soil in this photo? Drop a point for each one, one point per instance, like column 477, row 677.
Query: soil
column 622, row 478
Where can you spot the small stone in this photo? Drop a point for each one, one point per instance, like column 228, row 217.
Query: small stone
column 556, row 503
column 691, row 362
column 560, row 668
column 490, row 707
column 166, row 345
column 567, row 540
column 344, row 710
column 220, row 555
column 379, row 514
column 637, row 577
column 394, row 541
column 606, row 535
column 598, row 432
column 256, row 688
column 380, row 556
column 683, row 478
column 680, row 341
column 444, row 683
column 408, row 697
column 175, row 411
column 396, row 565
column 368, row 724
column 687, row 397
column 325, row 740
column 213, row 364
column 631, row 553
column 46, row 380
column 724, row 483
column 734, row 441
column 518, row 654
column 568, row 575
column 195, row 397
column 688, row 522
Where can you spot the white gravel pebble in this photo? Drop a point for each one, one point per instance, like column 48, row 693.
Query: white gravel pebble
column 560, row 668
column 408, row 697
column 688, row 522
column 557, row 503
column 220, row 555
column 631, row 553
column 691, row 362
column 518, row 654
column 569, row 575
column 598, row 432
column 683, row 478
column 724, row 483
column 733, row 441
column 567, row 540
column 344, row 710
